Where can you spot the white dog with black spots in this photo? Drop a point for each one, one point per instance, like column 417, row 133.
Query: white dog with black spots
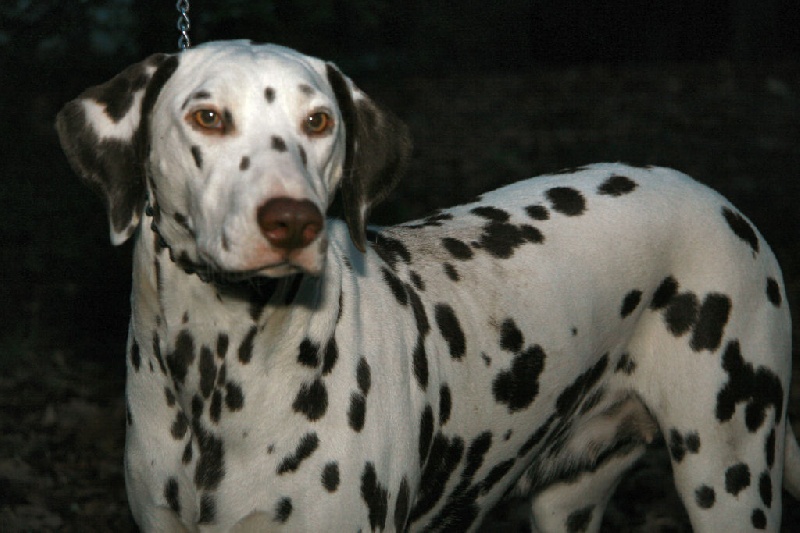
column 288, row 372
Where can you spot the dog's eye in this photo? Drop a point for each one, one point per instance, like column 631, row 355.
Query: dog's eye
column 318, row 123
column 208, row 119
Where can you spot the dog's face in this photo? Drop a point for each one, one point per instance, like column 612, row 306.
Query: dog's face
column 235, row 150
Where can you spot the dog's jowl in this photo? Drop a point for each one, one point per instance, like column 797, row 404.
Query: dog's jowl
column 287, row 371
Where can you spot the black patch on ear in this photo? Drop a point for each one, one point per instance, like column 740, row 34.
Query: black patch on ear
column 377, row 148
column 114, row 168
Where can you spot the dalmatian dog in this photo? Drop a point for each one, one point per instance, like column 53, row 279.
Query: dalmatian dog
column 288, row 372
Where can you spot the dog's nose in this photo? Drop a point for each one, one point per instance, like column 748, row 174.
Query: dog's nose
column 288, row 223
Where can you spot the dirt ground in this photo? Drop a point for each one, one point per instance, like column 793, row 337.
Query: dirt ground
column 62, row 409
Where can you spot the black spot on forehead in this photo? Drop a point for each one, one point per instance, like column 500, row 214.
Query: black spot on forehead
column 278, row 144
column 741, row 228
column 306, row 89
column 616, row 186
column 244, row 164
column 269, row 94
column 566, row 200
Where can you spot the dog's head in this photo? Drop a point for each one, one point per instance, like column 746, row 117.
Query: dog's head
column 235, row 151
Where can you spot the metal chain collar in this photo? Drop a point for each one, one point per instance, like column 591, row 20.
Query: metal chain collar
column 183, row 24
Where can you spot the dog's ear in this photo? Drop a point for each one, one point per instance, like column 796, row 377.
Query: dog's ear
column 378, row 147
column 104, row 135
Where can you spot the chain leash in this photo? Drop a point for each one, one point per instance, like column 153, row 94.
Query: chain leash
column 183, row 24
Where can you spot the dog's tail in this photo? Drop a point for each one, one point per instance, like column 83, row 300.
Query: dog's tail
column 791, row 469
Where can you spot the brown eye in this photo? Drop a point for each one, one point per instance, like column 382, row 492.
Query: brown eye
column 317, row 123
column 207, row 119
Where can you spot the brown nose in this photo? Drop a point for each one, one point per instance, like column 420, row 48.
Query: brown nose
column 289, row 223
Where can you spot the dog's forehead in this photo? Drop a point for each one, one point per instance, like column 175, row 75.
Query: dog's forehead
column 240, row 65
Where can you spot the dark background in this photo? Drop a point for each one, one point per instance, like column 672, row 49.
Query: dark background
column 493, row 92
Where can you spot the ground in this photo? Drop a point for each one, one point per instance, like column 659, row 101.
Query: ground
column 62, row 381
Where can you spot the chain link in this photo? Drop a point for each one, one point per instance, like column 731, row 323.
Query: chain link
column 183, row 24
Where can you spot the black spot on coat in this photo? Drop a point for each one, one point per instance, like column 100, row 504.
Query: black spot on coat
column 757, row 389
column 246, row 348
column 681, row 313
column 537, row 212
column 458, row 249
column 357, row 412
column 741, row 228
column 711, row 321
column 234, row 397
column 665, row 292
column 630, row 302
column 182, row 357
column 425, row 433
column 451, row 330
column 519, row 386
column 208, row 371
column 765, row 489
column 705, row 497
column 491, row 213
column 401, row 506
column 283, row 510
column 307, row 446
column 375, row 496
column 208, row 509
column 171, row 494
column 363, row 376
column 311, row 400
column 395, row 285
column 737, row 478
column 511, row 337
column 445, row 404
column 330, row 476
column 774, row 292
column 616, row 186
column 566, row 200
